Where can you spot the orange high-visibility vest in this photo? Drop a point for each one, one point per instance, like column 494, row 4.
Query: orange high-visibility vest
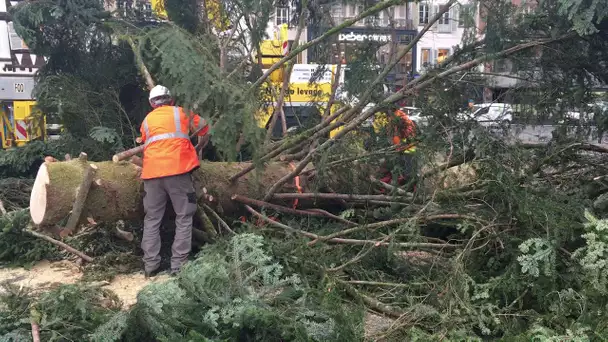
column 167, row 147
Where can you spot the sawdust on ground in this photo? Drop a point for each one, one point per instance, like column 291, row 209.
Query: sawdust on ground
column 127, row 286
column 376, row 325
column 45, row 275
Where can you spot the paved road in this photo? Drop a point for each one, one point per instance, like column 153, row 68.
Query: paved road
column 542, row 133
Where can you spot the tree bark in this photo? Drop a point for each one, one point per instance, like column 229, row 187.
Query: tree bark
column 118, row 192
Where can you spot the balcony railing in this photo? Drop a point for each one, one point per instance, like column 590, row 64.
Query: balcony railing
column 407, row 24
column 444, row 28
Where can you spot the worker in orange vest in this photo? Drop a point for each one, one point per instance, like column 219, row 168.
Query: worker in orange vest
column 401, row 131
column 169, row 159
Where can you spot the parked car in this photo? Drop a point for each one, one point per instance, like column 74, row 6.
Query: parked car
column 492, row 112
column 585, row 116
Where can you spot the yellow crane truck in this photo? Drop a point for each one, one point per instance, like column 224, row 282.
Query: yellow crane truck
column 303, row 98
column 22, row 123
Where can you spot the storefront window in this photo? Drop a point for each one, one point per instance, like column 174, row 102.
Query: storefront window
column 405, row 64
column 425, row 57
column 342, row 54
column 442, row 54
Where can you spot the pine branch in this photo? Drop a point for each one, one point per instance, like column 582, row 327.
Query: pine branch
column 350, row 241
column 140, row 64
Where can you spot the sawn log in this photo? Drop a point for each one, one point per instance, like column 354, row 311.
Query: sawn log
column 117, row 191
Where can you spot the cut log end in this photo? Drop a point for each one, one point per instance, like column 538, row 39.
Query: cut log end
column 38, row 196
column 115, row 158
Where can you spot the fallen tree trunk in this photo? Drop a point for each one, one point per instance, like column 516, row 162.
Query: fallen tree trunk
column 117, row 192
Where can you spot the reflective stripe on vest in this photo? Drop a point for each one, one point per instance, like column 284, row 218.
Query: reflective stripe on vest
column 177, row 134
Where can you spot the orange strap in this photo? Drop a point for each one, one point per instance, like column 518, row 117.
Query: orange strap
column 297, row 183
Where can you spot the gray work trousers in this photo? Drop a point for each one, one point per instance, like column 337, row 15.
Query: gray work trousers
column 180, row 190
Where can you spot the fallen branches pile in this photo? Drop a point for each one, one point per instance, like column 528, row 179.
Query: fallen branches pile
column 14, row 193
column 234, row 288
column 474, row 260
column 495, row 242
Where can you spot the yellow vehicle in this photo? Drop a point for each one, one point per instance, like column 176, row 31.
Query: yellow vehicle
column 304, row 99
column 21, row 123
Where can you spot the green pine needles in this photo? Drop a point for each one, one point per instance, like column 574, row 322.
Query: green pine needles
column 235, row 291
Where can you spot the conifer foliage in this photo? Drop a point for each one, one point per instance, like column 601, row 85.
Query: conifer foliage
column 233, row 291
column 488, row 239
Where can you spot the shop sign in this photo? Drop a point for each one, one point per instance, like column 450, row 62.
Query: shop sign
column 361, row 37
column 303, row 92
column 302, row 73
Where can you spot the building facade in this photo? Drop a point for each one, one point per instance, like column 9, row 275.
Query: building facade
column 447, row 33
column 405, row 20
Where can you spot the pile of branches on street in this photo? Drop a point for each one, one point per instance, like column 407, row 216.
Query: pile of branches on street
column 487, row 239
column 481, row 248
column 14, row 194
column 234, row 290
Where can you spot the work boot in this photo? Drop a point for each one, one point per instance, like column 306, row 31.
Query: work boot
column 151, row 274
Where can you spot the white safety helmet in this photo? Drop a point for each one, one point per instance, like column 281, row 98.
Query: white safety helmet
column 159, row 95
column 159, row 91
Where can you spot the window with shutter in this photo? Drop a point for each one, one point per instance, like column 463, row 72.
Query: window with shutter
column 400, row 12
column 466, row 15
column 282, row 15
column 386, row 15
column 337, row 12
column 444, row 23
column 454, row 16
column 434, row 11
column 350, row 11
column 357, row 10
column 16, row 42
column 423, row 13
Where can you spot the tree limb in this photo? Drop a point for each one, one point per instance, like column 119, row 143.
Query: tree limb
column 140, row 63
column 350, row 241
column 280, row 208
column 459, row 160
column 221, row 222
column 61, row 245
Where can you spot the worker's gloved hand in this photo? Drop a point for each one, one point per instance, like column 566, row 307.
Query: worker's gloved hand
column 138, row 140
